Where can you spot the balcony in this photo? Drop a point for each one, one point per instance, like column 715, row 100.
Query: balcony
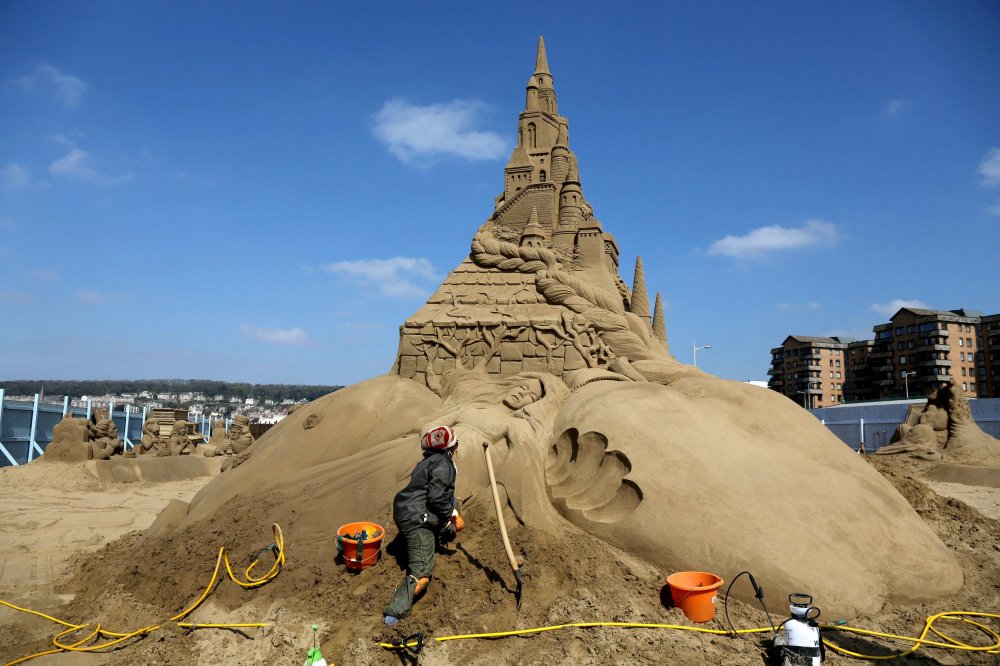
column 935, row 363
column 813, row 354
column 816, row 367
column 883, row 368
column 933, row 347
column 885, row 353
column 775, row 371
column 885, row 382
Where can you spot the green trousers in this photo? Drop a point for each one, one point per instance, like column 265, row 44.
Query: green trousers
column 420, row 545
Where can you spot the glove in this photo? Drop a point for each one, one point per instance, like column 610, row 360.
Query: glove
column 457, row 522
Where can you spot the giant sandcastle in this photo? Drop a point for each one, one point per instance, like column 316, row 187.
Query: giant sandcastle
column 535, row 344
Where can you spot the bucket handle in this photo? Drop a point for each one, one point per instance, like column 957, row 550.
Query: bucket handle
column 365, row 560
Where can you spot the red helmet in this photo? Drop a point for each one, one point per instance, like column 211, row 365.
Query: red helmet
column 438, row 438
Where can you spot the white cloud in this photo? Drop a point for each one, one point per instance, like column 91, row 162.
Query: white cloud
column 44, row 275
column 989, row 168
column 856, row 333
column 15, row 176
column 774, row 238
column 894, row 106
column 410, row 131
column 67, row 88
column 393, row 277
column 16, row 296
column 278, row 336
column 811, row 306
column 893, row 306
column 76, row 164
column 93, row 297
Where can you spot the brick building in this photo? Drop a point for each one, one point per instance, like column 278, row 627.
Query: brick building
column 810, row 370
column 912, row 354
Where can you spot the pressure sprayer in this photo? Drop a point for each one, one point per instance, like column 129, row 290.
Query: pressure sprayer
column 798, row 641
column 314, row 657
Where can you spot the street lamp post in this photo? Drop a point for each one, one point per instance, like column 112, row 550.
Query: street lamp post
column 906, row 381
column 694, row 351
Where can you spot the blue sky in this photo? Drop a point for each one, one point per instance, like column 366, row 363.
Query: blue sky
column 265, row 191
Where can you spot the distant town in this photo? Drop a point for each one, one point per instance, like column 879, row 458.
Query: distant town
column 261, row 403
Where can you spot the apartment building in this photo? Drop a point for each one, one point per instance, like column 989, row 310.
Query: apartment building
column 810, row 370
column 989, row 379
column 920, row 349
column 911, row 356
column 859, row 384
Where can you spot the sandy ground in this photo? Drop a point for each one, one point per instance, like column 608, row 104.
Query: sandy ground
column 57, row 519
column 51, row 512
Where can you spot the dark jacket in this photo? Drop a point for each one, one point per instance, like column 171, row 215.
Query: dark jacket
column 429, row 497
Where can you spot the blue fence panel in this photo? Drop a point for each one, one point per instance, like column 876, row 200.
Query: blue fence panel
column 882, row 419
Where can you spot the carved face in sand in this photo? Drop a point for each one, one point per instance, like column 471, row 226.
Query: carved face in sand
column 524, row 394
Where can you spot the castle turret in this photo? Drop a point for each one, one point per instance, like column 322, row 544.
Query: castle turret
column 541, row 95
column 659, row 328
column 533, row 234
column 640, row 297
column 560, row 154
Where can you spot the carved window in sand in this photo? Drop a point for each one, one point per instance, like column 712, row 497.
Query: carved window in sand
column 531, row 135
column 541, row 176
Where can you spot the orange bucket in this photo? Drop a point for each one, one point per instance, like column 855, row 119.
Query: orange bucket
column 694, row 593
column 358, row 553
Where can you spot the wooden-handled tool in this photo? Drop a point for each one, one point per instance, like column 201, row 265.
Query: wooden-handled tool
column 503, row 526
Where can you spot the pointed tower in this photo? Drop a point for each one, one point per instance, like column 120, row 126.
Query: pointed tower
column 532, row 236
column 659, row 328
column 640, row 297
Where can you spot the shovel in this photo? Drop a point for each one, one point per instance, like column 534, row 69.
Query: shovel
column 503, row 526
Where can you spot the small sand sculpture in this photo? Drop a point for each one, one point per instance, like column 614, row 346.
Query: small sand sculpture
column 218, row 442
column 70, row 440
column 945, row 430
column 151, row 442
column 240, row 437
column 179, row 442
column 106, row 443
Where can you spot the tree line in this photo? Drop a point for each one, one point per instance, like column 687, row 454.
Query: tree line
column 211, row 388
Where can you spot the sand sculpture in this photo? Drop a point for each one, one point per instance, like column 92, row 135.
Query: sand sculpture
column 239, row 435
column 944, row 430
column 179, row 443
column 77, row 439
column 536, row 344
column 218, row 442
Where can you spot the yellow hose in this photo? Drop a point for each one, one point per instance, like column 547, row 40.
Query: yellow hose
column 918, row 642
column 952, row 643
column 116, row 638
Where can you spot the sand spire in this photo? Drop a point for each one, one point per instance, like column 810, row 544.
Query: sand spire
column 640, row 297
column 541, row 61
column 659, row 328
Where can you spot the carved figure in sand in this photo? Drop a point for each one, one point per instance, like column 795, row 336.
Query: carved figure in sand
column 218, row 443
column 945, row 430
column 240, row 438
column 535, row 344
column 151, row 442
column 70, row 440
column 105, row 442
column 179, row 442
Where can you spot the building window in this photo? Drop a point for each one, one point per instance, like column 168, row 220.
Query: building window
column 902, row 360
column 838, row 387
column 838, row 376
column 972, row 387
column 911, row 344
column 961, row 356
column 912, row 328
column 968, row 342
column 831, row 374
column 831, row 386
column 964, row 387
column 899, row 330
column 838, row 363
column 900, row 346
column 963, row 372
column 960, row 343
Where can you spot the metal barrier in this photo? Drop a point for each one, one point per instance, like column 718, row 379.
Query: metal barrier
column 26, row 427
